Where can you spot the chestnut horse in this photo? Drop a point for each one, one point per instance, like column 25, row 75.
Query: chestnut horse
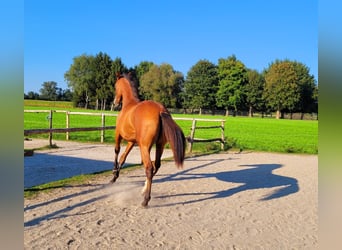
column 144, row 123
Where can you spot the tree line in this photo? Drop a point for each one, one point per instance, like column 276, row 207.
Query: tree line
column 50, row 92
column 285, row 86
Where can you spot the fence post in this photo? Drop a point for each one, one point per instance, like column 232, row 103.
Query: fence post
column 67, row 124
column 222, row 135
column 50, row 127
column 103, row 121
column 192, row 135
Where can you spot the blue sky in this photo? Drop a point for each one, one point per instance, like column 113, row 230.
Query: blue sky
column 177, row 32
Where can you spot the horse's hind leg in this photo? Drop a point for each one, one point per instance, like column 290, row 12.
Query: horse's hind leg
column 145, row 155
column 159, row 153
column 148, row 185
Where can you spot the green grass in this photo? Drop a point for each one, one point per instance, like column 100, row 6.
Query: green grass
column 289, row 136
column 260, row 134
column 243, row 133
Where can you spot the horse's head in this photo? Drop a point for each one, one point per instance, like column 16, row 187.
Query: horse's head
column 118, row 90
column 124, row 92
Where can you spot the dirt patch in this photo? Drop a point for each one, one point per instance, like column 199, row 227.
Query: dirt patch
column 219, row 201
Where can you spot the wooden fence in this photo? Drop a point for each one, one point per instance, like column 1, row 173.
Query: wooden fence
column 67, row 130
column 191, row 139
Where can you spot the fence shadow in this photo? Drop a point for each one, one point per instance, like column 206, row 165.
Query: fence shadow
column 92, row 188
column 44, row 168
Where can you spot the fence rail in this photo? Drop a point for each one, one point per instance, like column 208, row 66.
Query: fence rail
column 64, row 130
column 67, row 130
column 191, row 139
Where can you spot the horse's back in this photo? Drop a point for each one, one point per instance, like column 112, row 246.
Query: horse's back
column 150, row 107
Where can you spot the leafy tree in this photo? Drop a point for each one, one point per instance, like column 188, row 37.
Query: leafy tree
column 81, row 79
column 92, row 78
column 142, row 68
column 254, row 90
column 162, row 84
column 315, row 100
column 282, row 90
column 201, row 85
column 104, row 78
column 118, row 66
column 308, row 89
column 49, row 91
column 232, row 80
column 137, row 72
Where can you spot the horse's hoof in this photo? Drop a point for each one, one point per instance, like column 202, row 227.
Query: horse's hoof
column 115, row 175
column 113, row 180
column 144, row 204
column 145, row 201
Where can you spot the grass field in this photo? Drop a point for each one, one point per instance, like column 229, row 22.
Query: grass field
column 260, row 134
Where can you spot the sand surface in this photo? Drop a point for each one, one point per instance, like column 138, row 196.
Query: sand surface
column 248, row 200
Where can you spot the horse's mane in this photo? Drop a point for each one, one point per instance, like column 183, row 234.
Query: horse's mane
column 130, row 77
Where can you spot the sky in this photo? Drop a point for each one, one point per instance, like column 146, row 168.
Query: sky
column 178, row 32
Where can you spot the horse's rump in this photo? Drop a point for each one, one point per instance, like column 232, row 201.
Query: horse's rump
column 153, row 116
column 147, row 121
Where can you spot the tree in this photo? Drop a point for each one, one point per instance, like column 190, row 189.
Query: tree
column 200, row 86
column 49, row 91
column 142, row 68
column 232, row 81
column 162, row 84
column 282, row 90
column 92, row 78
column 254, row 90
column 104, row 79
column 137, row 72
column 118, row 66
column 315, row 100
column 81, row 79
column 308, row 89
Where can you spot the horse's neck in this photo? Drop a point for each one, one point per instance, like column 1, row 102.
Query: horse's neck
column 128, row 98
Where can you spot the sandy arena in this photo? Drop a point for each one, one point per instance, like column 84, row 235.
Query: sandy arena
column 246, row 200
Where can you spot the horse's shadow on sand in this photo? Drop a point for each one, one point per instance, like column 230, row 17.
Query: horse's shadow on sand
column 255, row 176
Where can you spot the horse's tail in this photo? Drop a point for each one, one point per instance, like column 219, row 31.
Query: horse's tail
column 175, row 136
